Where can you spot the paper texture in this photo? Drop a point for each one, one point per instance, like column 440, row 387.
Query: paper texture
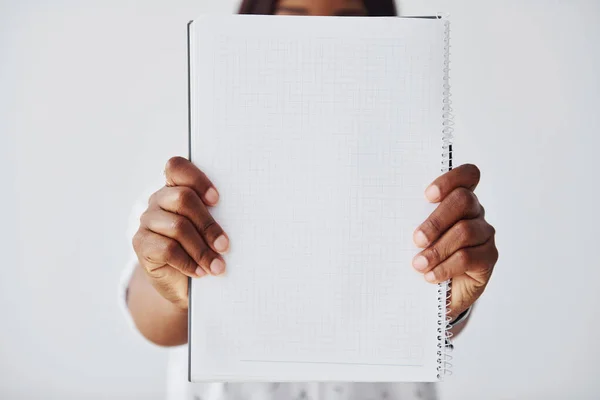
column 321, row 135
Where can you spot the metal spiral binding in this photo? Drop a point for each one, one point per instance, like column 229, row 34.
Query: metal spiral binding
column 445, row 346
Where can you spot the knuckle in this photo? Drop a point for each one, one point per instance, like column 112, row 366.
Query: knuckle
column 169, row 249
column 208, row 223
column 137, row 241
column 461, row 194
column 144, row 217
column 463, row 256
column 473, row 206
column 174, row 164
column 183, row 197
column 492, row 230
column 434, row 224
column 179, row 226
column 189, row 266
column 440, row 274
column 465, row 199
column 464, row 230
column 495, row 255
column 205, row 256
column 444, row 274
column 434, row 254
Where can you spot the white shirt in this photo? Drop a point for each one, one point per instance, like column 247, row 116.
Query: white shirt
column 178, row 388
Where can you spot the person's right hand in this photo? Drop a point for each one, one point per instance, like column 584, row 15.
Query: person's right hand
column 178, row 238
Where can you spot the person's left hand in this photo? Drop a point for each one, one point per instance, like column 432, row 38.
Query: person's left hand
column 458, row 243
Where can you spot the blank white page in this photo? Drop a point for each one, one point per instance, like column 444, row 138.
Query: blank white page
column 321, row 134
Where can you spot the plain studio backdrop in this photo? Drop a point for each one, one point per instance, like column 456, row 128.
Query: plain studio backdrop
column 93, row 103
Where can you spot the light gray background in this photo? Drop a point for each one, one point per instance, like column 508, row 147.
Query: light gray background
column 93, row 102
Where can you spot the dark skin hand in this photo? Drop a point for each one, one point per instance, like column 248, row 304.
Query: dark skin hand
column 178, row 238
column 457, row 241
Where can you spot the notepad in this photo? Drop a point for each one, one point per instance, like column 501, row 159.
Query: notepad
column 321, row 134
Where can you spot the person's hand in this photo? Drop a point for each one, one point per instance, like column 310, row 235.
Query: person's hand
column 177, row 237
column 458, row 243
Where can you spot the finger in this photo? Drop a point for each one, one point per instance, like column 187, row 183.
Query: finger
column 477, row 262
column 460, row 204
column 465, row 233
column 156, row 251
column 184, row 201
column 466, row 176
column 181, row 172
column 182, row 230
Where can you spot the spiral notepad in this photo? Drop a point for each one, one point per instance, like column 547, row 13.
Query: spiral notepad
column 321, row 134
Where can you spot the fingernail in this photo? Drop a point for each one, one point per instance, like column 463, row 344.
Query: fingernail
column 217, row 266
column 200, row 272
column 420, row 263
column 432, row 193
column 420, row 239
column 211, row 196
column 430, row 276
column 221, row 244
